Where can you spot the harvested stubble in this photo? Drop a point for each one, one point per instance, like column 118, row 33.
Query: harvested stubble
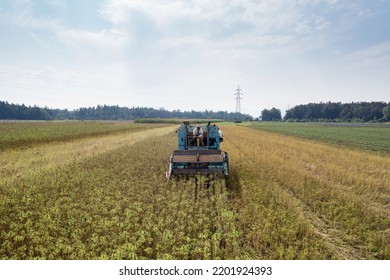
column 304, row 199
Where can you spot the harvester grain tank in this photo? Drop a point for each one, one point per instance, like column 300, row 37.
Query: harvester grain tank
column 198, row 154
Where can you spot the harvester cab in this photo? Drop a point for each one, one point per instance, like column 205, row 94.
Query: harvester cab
column 198, row 154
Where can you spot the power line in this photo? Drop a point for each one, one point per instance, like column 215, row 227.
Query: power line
column 238, row 99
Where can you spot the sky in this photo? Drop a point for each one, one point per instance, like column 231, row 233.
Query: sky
column 192, row 55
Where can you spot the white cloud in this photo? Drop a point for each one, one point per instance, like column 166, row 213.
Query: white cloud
column 302, row 28
column 107, row 39
column 166, row 53
column 228, row 30
column 22, row 16
column 61, row 4
column 321, row 23
column 370, row 57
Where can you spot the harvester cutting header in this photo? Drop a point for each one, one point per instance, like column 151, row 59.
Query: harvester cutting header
column 198, row 151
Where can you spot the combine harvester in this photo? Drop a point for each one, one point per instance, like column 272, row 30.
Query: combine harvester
column 198, row 153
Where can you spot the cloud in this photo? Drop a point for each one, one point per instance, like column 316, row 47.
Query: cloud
column 204, row 18
column 21, row 15
column 46, row 28
column 169, row 52
column 370, row 57
column 246, row 26
column 60, row 4
column 107, row 39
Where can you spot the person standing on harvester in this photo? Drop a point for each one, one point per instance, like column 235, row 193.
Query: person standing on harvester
column 198, row 133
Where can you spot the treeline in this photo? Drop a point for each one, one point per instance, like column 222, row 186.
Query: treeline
column 347, row 112
column 104, row 112
column 271, row 115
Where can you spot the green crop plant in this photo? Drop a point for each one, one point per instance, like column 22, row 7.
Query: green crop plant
column 371, row 137
column 116, row 205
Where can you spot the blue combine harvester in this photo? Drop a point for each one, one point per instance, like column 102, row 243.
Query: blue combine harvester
column 198, row 153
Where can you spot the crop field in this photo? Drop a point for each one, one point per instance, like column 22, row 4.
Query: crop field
column 175, row 121
column 373, row 137
column 27, row 134
column 106, row 197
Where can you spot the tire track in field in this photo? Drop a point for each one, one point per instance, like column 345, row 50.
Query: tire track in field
column 351, row 175
column 17, row 164
column 330, row 236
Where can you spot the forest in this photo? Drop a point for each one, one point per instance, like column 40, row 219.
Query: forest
column 343, row 112
column 323, row 112
column 104, row 112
